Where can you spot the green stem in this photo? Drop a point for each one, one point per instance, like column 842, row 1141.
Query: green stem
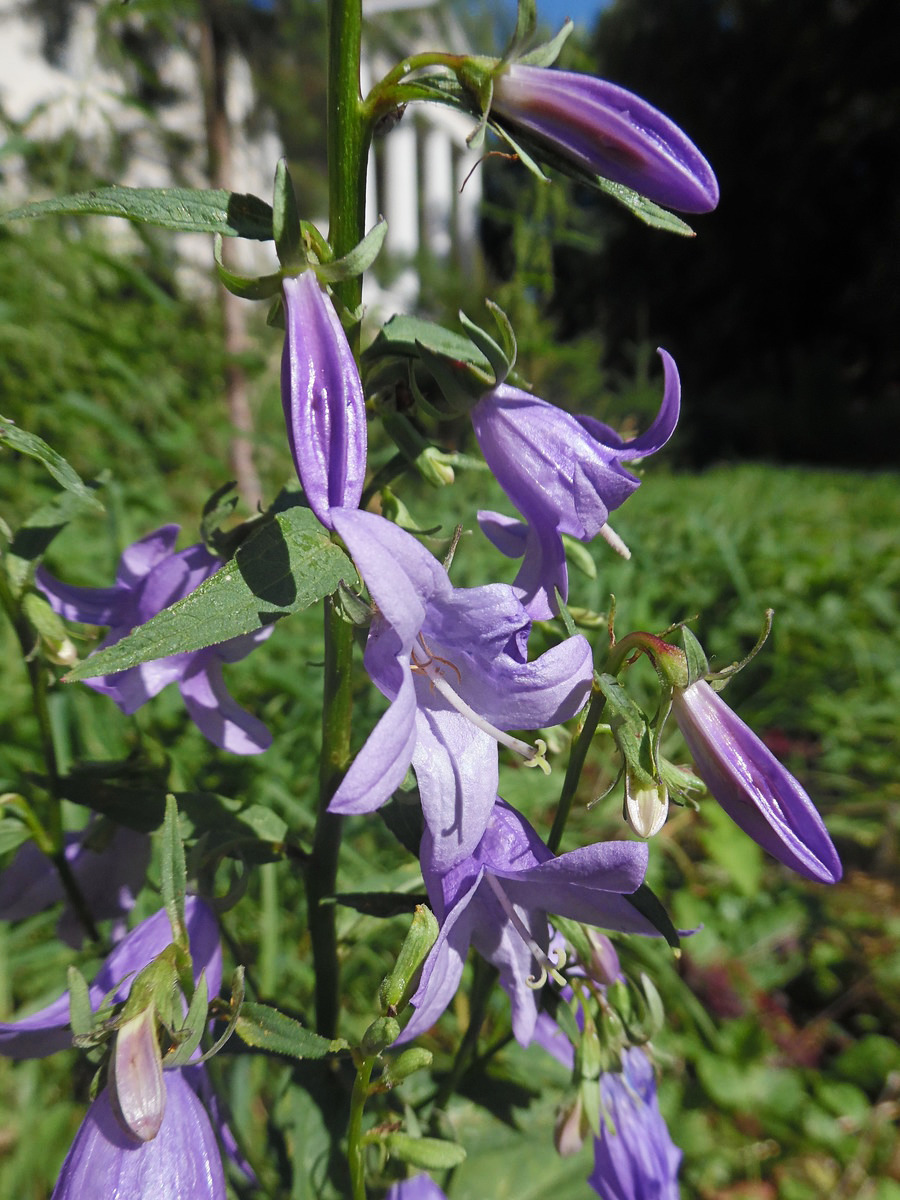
column 355, row 1146
column 349, row 135
column 322, row 871
column 573, row 770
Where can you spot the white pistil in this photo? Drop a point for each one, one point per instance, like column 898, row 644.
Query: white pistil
column 544, row 961
column 610, row 536
column 534, row 756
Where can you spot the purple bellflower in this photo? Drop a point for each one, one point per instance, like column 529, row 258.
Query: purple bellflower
column 322, row 395
column 418, row 1187
column 47, row 1031
column 151, row 576
column 182, row 1161
column 636, row 1159
column 605, row 130
column 564, row 474
column 108, row 876
column 452, row 663
column 497, row 899
column 752, row 786
column 172, row 1149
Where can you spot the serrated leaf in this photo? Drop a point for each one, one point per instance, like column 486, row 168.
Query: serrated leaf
column 266, row 1028
column 37, row 448
column 287, row 564
column 187, row 210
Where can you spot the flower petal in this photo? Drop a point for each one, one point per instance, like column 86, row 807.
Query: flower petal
column 216, row 713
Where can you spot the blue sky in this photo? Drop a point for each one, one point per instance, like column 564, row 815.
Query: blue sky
column 582, row 12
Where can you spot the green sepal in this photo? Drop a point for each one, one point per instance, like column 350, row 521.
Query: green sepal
column 265, row 1028
column 578, row 555
column 526, row 23
column 628, row 724
column 648, row 905
column 547, row 53
column 190, row 1033
column 186, row 210
column 237, row 1001
column 173, row 874
column 286, row 219
column 248, row 287
column 81, row 1015
column 431, row 1154
column 46, row 622
column 355, row 261
column 501, row 356
column 697, row 663
column 35, row 447
column 645, row 210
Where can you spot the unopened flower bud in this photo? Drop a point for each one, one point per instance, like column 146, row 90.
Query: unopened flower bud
column 571, row 1128
column 380, row 1034
column 646, row 804
column 416, row 1058
column 397, row 987
column 137, row 1077
column 603, row 966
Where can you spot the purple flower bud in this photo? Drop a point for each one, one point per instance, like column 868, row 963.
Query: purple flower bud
column 181, row 1162
column 636, row 1158
column 752, row 786
column 605, row 130
column 136, row 1076
column 323, row 400
column 151, row 576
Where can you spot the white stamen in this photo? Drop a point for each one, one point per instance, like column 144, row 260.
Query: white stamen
column 610, row 536
column 535, row 756
column 544, row 961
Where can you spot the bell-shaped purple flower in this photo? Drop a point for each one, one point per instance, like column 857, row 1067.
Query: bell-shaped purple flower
column 151, row 576
column 323, row 400
column 109, row 873
column 604, row 130
column 497, row 900
column 752, row 786
column 181, row 1162
column 418, row 1187
column 47, row 1031
column 452, row 662
column 636, row 1159
column 563, row 473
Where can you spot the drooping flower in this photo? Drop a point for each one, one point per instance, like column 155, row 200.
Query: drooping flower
column 47, row 1031
column 417, row 1187
column 108, row 871
column 181, row 1162
column 604, row 130
column 636, row 1159
column 322, row 395
column 452, row 663
column 752, row 786
column 150, row 577
column 497, row 900
column 563, row 473
column 147, row 1134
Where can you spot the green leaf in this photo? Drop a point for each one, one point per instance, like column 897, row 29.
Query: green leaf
column 266, row 1028
column 381, row 904
column 288, row 563
column 648, row 905
column 286, row 217
column 187, row 210
column 645, row 210
column 35, row 447
column 431, row 1154
column 405, row 336
column 37, row 532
